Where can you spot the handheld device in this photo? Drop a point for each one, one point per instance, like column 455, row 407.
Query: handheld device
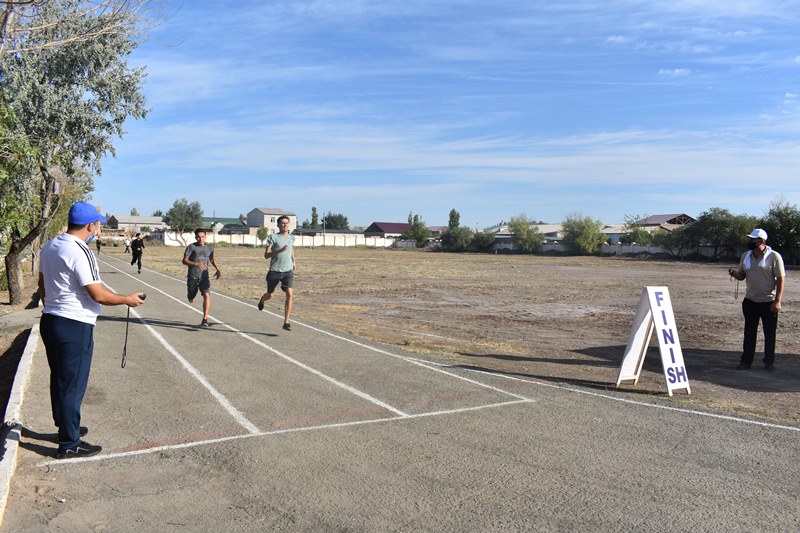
column 127, row 322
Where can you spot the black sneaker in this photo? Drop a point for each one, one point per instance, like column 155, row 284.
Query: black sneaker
column 140, row 271
column 287, row 327
column 743, row 366
column 260, row 305
column 770, row 367
column 84, row 449
column 205, row 324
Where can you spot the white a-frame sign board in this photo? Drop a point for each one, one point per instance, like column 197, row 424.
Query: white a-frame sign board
column 655, row 313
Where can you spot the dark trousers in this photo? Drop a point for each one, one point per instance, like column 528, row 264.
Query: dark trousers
column 69, row 345
column 137, row 257
column 753, row 312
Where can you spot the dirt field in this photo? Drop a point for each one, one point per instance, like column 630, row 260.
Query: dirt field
column 557, row 319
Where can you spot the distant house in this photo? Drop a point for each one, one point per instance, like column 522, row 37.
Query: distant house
column 267, row 217
column 613, row 232
column 387, row 229
column 236, row 228
column 436, row 231
column 656, row 223
column 132, row 225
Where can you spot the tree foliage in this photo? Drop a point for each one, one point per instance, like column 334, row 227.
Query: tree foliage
column 65, row 92
column 454, row 220
column 419, row 232
column 184, row 217
column 582, row 234
column 335, row 221
column 262, row 233
column 638, row 236
column 483, row 241
column 782, row 224
column 457, row 239
column 635, row 232
column 525, row 236
column 314, row 218
column 719, row 229
column 18, row 30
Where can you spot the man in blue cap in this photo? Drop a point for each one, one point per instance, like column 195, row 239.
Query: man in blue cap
column 72, row 293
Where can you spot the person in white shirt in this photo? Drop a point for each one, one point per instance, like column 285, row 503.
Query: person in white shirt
column 72, row 293
column 763, row 269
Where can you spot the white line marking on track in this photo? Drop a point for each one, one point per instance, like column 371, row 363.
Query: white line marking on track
column 539, row 383
column 628, row 400
column 156, row 449
column 235, row 413
column 305, row 367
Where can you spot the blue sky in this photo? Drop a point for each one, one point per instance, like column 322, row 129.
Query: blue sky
column 373, row 109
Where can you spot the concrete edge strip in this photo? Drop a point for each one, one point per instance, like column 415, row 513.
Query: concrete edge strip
column 9, row 463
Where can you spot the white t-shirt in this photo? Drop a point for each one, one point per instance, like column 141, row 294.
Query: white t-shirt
column 68, row 267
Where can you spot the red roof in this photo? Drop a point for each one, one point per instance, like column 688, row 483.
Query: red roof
column 388, row 227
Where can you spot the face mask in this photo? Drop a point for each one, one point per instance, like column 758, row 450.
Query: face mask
column 91, row 237
column 752, row 245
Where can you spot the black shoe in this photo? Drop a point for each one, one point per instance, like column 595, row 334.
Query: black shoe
column 770, row 367
column 84, row 449
column 287, row 327
column 140, row 271
column 743, row 366
column 205, row 324
column 260, row 305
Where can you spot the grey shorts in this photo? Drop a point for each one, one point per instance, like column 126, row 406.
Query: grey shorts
column 203, row 284
column 286, row 279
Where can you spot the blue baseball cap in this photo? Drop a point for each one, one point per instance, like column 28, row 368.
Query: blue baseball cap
column 82, row 213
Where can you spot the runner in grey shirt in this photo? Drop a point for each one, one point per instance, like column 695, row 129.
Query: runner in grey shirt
column 280, row 252
column 197, row 257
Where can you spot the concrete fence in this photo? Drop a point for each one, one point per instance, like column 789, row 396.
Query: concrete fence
column 302, row 241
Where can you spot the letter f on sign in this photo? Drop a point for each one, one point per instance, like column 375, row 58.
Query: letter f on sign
column 659, row 298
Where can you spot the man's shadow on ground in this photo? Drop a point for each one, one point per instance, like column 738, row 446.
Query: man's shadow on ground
column 711, row 366
column 156, row 323
column 30, row 435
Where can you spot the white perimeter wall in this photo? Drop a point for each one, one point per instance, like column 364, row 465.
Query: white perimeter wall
column 306, row 241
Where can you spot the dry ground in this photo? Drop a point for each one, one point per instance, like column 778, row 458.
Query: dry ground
column 556, row 319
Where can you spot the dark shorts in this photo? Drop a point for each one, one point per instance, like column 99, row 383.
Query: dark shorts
column 286, row 279
column 203, row 284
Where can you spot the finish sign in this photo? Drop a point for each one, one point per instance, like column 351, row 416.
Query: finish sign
column 655, row 313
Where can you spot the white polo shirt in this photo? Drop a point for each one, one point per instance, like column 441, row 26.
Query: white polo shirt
column 68, row 266
column 761, row 273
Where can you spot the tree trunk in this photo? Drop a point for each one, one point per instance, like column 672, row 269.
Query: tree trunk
column 14, row 276
column 50, row 202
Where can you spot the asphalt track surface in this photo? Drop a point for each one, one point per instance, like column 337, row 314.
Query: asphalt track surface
column 246, row 427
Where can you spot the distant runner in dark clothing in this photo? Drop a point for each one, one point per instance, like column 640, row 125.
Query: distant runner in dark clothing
column 137, row 248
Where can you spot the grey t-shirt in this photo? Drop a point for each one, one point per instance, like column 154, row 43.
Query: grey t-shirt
column 283, row 261
column 198, row 254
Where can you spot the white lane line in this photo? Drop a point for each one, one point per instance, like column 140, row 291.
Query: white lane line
column 316, row 372
column 305, row 367
column 193, row 444
column 550, row 385
column 227, row 405
column 407, row 359
column 627, row 400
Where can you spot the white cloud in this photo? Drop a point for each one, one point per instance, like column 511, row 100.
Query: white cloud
column 675, row 72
